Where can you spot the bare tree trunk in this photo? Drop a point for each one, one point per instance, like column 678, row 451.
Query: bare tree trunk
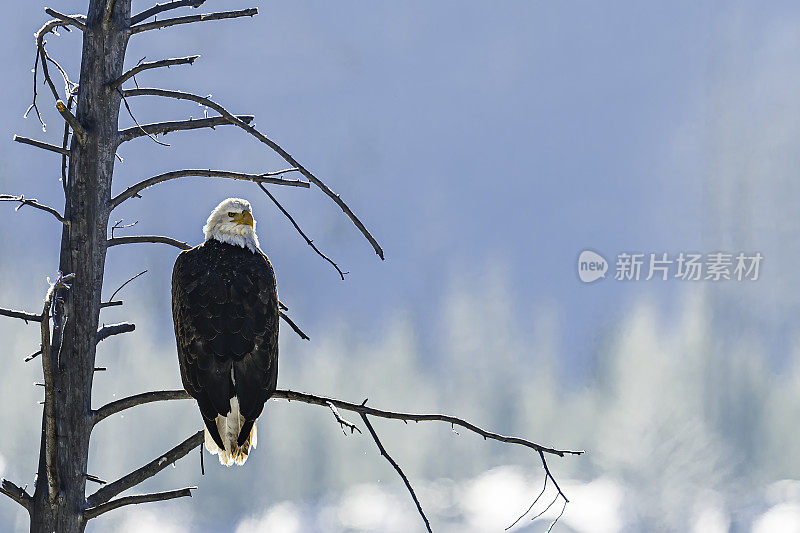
column 83, row 251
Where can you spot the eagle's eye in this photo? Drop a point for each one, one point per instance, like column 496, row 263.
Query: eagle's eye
column 231, row 214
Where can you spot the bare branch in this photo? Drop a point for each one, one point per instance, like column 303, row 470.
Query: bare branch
column 414, row 417
column 193, row 18
column 27, row 317
column 111, row 304
column 114, row 329
column 41, row 53
column 294, row 326
column 148, row 238
column 142, row 273
column 69, row 85
column 300, row 231
column 138, row 399
column 145, row 472
column 119, row 225
column 323, row 401
column 180, row 95
column 42, row 145
column 548, row 474
column 398, row 469
column 153, row 64
column 159, row 8
column 267, row 177
column 72, row 120
column 33, row 203
column 95, row 479
column 71, row 20
column 17, row 494
column 343, row 423
column 162, row 128
column 94, row 512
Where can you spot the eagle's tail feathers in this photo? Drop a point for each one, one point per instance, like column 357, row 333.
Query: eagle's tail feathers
column 229, row 427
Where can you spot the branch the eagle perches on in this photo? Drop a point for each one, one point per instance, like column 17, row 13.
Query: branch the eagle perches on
column 106, row 498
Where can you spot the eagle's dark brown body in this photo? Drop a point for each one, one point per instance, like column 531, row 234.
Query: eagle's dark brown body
column 225, row 310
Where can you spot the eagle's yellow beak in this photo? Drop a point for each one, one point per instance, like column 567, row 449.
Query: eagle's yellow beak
column 244, row 219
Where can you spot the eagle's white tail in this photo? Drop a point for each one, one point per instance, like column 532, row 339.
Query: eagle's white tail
column 229, row 427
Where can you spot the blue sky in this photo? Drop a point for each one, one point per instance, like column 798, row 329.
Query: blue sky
column 469, row 136
column 477, row 140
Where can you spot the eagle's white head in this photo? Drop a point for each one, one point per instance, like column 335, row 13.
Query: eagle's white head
column 232, row 222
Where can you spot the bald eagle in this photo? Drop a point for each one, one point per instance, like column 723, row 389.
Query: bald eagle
column 225, row 310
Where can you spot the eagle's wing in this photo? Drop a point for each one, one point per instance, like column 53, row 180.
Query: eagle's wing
column 225, row 310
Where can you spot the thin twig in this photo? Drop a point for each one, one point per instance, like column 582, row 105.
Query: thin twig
column 42, row 145
column 68, row 84
column 114, row 329
column 180, row 95
column 398, row 470
column 116, row 241
column 33, row 203
column 193, row 18
column 342, row 422
column 153, row 64
column 17, row 494
column 142, row 273
column 266, row 177
column 33, row 105
column 528, row 510
column 555, row 520
column 94, row 512
column 294, row 326
column 162, row 128
column 130, row 112
column 72, row 120
column 540, row 513
column 159, row 8
column 145, row 472
column 300, row 231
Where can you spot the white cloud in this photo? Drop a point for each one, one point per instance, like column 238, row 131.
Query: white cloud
column 594, row 507
column 281, row 518
column 155, row 522
column 782, row 518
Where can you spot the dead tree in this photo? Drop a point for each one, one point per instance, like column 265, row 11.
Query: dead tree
column 70, row 316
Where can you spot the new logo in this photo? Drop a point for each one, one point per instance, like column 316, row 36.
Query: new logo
column 591, row 266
